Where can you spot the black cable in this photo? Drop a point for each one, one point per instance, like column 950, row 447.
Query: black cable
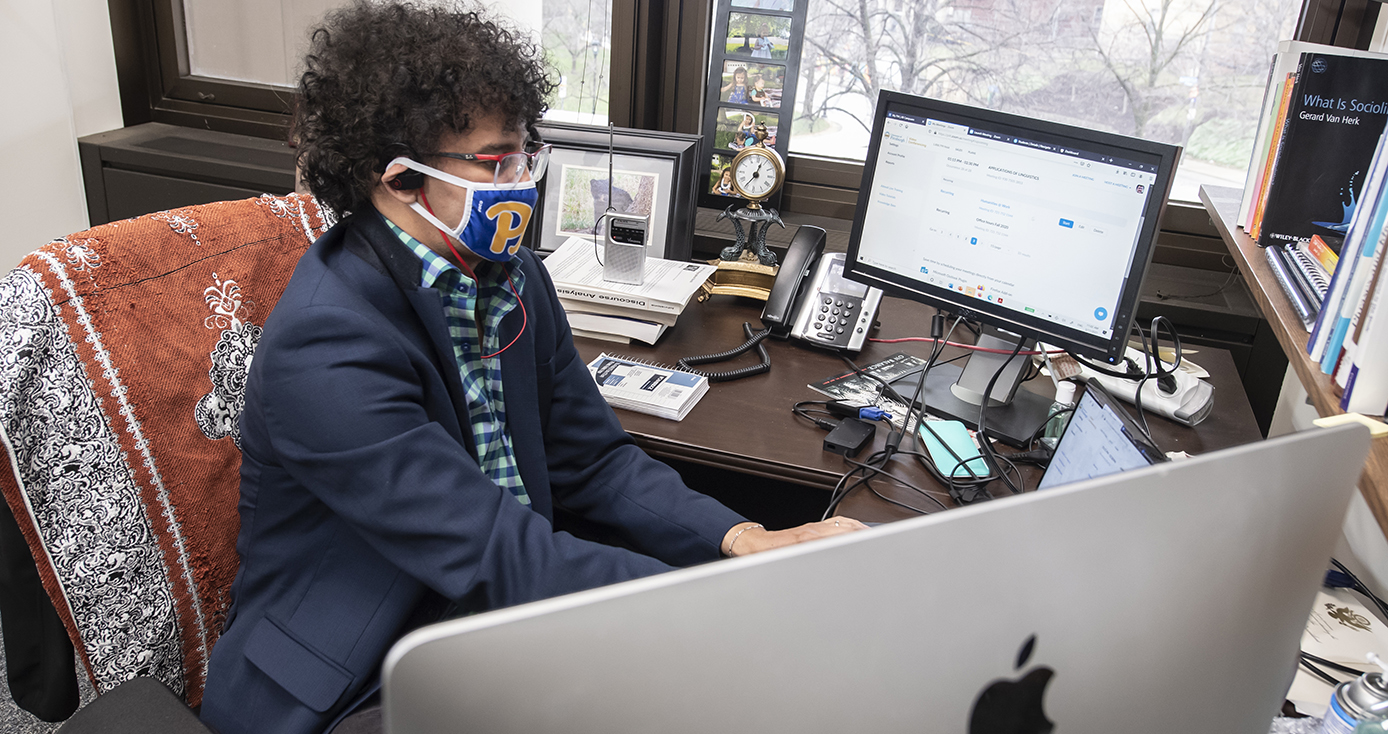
column 879, row 470
column 753, row 340
column 804, row 412
column 1320, row 673
column 984, row 445
column 1360, row 587
column 1132, row 373
column 1041, row 428
column 885, row 498
column 875, row 464
column 1223, row 260
column 883, row 387
column 839, row 491
column 1033, row 372
column 1331, row 664
column 1151, row 353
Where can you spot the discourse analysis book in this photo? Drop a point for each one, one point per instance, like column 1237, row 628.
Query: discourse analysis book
column 1338, row 109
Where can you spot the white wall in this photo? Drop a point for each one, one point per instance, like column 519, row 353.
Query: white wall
column 58, row 83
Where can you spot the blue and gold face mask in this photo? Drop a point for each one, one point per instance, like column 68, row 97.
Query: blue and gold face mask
column 495, row 218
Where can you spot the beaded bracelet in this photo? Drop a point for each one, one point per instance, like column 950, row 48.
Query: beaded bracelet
column 739, row 534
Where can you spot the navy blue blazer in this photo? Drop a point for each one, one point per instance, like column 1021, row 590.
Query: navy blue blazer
column 362, row 505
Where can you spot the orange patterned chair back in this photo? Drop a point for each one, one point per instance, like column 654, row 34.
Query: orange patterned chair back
column 123, row 359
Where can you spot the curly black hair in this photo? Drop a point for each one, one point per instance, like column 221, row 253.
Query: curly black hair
column 383, row 79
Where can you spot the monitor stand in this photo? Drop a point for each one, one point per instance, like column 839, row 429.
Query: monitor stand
column 954, row 392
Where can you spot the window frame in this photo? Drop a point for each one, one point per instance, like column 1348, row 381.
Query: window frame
column 660, row 49
column 829, row 186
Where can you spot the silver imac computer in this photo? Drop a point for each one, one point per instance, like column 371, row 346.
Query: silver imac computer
column 1033, row 229
column 1170, row 598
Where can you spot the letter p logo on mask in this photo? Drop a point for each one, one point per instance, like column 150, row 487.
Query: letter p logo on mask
column 510, row 219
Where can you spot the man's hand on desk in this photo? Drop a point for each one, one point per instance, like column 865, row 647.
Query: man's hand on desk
column 748, row 537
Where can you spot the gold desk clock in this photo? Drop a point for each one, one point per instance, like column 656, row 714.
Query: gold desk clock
column 747, row 268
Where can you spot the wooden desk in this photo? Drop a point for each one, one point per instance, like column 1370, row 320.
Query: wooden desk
column 1222, row 203
column 747, row 425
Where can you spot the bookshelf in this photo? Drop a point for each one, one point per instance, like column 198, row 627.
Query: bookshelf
column 1222, row 203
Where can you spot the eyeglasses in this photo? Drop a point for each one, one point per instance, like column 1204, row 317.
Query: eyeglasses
column 509, row 169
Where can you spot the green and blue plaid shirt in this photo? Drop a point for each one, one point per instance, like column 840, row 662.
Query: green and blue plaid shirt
column 486, row 403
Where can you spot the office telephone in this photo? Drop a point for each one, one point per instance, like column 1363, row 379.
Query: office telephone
column 825, row 310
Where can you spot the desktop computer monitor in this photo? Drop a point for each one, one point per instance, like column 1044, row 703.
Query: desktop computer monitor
column 1166, row 599
column 1034, row 229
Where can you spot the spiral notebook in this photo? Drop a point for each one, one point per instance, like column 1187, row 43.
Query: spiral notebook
column 655, row 389
column 1281, row 268
column 1310, row 268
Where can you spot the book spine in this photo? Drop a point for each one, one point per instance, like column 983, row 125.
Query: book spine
column 1323, row 254
column 1366, row 387
column 1264, row 149
column 1275, row 141
column 1250, row 183
column 660, row 317
column 1284, row 279
column 1357, row 281
column 1324, row 336
column 577, row 293
column 1356, row 323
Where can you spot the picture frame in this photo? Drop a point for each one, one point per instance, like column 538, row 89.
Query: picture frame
column 654, row 173
column 751, row 39
column 748, row 83
column 757, row 36
column 734, row 129
column 784, row 5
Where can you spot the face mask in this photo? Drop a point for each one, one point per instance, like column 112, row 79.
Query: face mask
column 495, row 217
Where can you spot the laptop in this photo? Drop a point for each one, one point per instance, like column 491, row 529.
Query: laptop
column 1167, row 598
column 1100, row 439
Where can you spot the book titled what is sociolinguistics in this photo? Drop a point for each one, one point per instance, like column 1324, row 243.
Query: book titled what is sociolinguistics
column 1336, row 112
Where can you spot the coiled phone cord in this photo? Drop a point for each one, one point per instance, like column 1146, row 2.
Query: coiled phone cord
column 754, row 339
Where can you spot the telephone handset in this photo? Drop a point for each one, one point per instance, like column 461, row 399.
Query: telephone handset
column 823, row 309
column 805, row 249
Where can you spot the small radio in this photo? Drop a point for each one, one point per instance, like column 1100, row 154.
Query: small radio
column 624, row 251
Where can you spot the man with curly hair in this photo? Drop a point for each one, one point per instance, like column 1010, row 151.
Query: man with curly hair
column 416, row 410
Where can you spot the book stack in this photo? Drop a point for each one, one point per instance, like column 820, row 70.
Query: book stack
column 1323, row 112
column 658, row 390
column 1349, row 337
column 620, row 312
column 1316, row 199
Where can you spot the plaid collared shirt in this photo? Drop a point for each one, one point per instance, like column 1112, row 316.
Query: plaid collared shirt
column 486, row 402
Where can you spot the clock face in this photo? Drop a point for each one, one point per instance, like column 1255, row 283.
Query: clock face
column 757, row 176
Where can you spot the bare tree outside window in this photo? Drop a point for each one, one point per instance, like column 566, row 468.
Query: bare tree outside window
column 1189, row 72
column 577, row 39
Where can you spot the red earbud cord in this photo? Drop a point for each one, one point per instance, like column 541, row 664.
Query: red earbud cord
column 447, row 240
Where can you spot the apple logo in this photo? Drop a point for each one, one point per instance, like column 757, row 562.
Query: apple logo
column 1014, row 707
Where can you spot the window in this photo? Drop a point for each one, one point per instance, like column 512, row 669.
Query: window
column 1190, row 72
column 233, row 67
column 642, row 63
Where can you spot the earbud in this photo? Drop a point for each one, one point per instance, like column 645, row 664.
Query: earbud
column 407, row 181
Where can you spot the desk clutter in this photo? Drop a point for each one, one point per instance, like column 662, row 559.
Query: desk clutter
column 621, row 312
column 1308, row 202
